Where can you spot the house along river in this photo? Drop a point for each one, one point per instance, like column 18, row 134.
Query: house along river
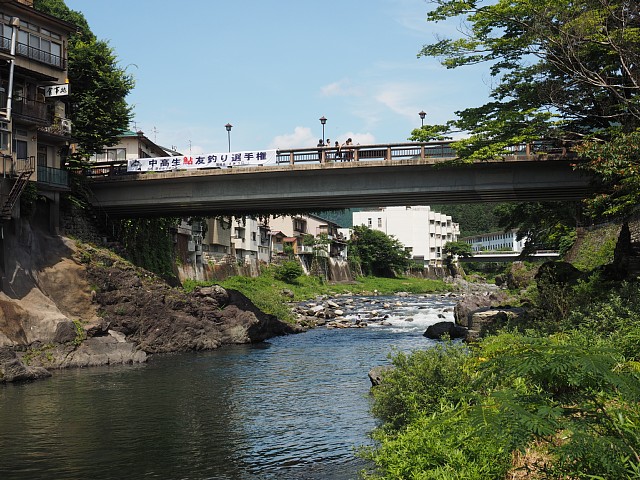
column 295, row 407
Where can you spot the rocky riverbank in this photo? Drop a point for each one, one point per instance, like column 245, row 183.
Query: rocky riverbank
column 69, row 305
column 477, row 308
column 354, row 311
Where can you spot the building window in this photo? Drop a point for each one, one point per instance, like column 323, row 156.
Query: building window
column 20, row 148
column 253, row 236
column 299, row 225
column 369, row 222
column 37, row 48
column 379, row 223
column 42, row 155
column 111, row 155
column 5, row 136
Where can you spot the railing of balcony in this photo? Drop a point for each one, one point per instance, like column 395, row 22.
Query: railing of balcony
column 30, row 108
column 21, row 165
column 40, row 55
column 53, row 176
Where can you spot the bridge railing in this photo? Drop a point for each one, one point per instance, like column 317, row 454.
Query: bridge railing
column 441, row 150
column 392, row 151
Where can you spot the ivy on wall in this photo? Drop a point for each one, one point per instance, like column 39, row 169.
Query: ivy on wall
column 148, row 243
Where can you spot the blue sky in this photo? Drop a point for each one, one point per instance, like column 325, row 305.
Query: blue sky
column 272, row 69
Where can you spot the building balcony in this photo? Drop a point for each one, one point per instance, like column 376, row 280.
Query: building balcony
column 61, row 127
column 36, row 54
column 305, row 249
column 31, row 111
column 53, row 177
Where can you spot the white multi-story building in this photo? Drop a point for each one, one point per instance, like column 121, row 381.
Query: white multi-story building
column 422, row 231
column 495, row 241
column 251, row 240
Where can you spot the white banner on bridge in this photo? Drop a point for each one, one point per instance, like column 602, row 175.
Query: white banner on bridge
column 211, row 160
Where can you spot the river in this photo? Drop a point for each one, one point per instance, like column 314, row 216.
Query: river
column 295, row 407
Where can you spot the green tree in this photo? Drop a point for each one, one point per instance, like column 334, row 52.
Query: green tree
column 380, row 254
column 98, row 85
column 567, row 71
column 617, row 163
column 564, row 69
column 460, row 249
column 545, row 225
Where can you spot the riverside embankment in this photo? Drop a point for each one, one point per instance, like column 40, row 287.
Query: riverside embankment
column 69, row 305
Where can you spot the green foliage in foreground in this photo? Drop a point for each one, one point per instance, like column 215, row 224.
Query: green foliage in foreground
column 563, row 405
column 266, row 291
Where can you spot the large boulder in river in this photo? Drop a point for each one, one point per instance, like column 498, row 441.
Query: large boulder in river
column 487, row 320
column 440, row 329
column 471, row 303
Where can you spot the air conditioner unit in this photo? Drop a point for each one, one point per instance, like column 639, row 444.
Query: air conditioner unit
column 65, row 125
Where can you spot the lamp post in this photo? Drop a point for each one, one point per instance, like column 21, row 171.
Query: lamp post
column 422, row 115
column 323, row 121
column 228, row 127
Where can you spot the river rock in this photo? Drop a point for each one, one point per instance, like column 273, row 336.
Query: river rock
column 287, row 293
column 471, row 303
column 65, row 332
column 440, row 329
column 484, row 319
column 376, row 374
column 215, row 292
column 107, row 350
column 13, row 370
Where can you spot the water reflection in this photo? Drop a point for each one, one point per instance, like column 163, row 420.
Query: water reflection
column 295, row 407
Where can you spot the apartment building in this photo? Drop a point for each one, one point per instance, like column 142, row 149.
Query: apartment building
column 35, row 133
column 422, row 231
column 255, row 241
column 496, row 241
column 131, row 145
column 293, row 229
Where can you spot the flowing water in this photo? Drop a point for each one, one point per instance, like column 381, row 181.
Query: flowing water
column 295, row 407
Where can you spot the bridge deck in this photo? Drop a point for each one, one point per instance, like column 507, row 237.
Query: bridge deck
column 322, row 185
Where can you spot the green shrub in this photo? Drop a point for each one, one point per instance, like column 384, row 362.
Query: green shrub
column 453, row 413
column 289, row 271
column 420, row 382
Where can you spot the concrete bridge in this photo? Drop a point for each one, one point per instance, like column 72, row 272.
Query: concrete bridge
column 305, row 180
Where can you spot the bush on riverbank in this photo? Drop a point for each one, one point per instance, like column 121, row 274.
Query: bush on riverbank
column 520, row 405
column 270, row 294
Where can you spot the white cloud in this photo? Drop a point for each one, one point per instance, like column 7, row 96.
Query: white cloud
column 361, row 138
column 302, row 137
column 400, row 98
column 341, row 88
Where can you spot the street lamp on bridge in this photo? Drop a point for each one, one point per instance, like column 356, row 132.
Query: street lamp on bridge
column 422, row 115
column 228, row 127
column 323, row 121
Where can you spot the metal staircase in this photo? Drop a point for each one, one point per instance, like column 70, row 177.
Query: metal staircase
column 16, row 189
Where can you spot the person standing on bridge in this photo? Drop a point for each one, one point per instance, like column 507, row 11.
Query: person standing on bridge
column 338, row 151
column 320, row 145
column 348, row 154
